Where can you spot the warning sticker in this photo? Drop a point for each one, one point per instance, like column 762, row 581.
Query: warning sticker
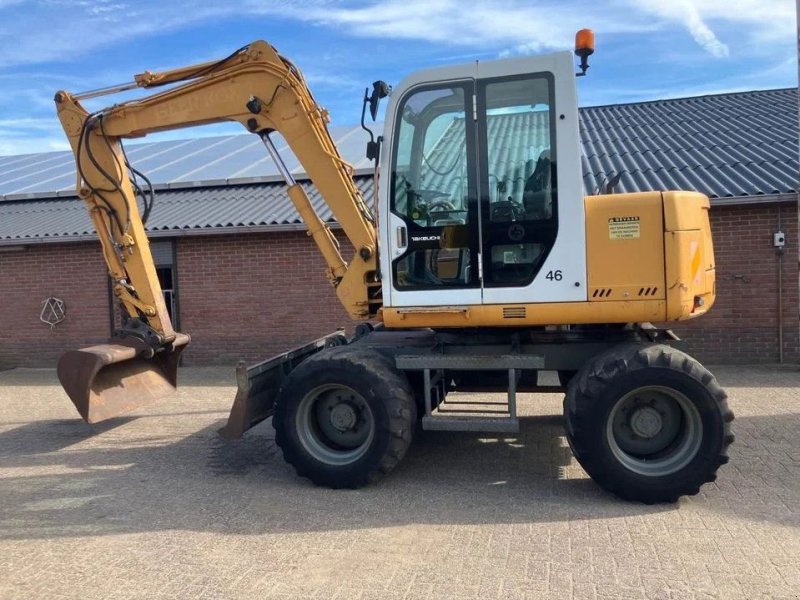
column 623, row 228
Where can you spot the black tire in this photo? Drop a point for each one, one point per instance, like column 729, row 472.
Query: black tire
column 380, row 394
column 598, row 432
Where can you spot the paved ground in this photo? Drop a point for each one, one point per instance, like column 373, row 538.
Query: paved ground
column 157, row 506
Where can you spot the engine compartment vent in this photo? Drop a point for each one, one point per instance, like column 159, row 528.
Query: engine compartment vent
column 602, row 293
column 514, row 312
column 650, row 291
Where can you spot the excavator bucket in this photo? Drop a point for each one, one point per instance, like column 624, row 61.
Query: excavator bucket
column 110, row 379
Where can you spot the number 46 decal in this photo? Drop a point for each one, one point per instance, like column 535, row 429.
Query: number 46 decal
column 554, row 275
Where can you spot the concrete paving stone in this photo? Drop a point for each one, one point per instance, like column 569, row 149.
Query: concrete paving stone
column 156, row 505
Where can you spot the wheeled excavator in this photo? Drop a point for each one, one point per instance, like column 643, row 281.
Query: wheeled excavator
column 480, row 265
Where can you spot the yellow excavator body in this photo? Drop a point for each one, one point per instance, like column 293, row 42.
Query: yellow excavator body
column 655, row 263
column 649, row 256
column 487, row 266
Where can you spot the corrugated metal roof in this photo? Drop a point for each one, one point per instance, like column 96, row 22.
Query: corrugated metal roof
column 183, row 163
column 726, row 146
column 208, row 208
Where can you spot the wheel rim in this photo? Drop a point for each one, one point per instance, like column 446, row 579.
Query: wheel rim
column 335, row 424
column 654, row 431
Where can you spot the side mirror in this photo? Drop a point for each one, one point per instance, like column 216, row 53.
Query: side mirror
column 380, row 89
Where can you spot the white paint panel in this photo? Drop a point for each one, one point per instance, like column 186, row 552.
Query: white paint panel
column 388, row 238
column 568, row 254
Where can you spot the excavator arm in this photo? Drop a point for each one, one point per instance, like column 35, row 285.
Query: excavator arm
column 265, row 93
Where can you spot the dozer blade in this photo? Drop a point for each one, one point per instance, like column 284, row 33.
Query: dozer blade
column 110, row 379
column 259, row 384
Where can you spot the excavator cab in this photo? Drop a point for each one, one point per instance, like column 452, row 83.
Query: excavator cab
column 481, row 187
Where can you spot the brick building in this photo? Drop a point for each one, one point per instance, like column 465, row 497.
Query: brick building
column 242, row 277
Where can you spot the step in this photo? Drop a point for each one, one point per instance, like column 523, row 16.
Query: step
column 471, row 423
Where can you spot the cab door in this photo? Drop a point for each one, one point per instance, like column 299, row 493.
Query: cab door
column 531, row 194
column 433, row 218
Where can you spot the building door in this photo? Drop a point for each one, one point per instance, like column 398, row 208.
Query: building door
column 163, row 252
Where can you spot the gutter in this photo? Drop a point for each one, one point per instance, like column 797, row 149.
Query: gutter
column 755, row 199
column 163, row 233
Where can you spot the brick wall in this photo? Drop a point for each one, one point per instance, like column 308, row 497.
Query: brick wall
column 742, row 327
column 250, row 296
column 76, row 274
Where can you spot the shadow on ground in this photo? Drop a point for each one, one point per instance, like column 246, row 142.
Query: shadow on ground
column 66, row 479
column 46, row 377
column 763, row 376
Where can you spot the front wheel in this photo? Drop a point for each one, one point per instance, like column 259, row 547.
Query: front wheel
column 648, row 423
column 344, row 417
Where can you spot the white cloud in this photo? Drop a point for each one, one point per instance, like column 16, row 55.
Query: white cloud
column 702, row 34
column 525, row 27
column 82, row 27
column 688, row 14
column 11, row 146
column 25, row 123
column 714, row 32
column 332, row 80
column 755, row 22
column 519, row 26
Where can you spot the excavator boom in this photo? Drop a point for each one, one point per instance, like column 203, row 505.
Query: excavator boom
column 266, row 93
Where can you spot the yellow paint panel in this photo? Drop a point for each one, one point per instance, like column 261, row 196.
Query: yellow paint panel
column 551, row 313
column 689, row 252
column 685, row 210
column 625, row 247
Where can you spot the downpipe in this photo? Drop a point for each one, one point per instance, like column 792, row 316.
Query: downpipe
column 780, row 290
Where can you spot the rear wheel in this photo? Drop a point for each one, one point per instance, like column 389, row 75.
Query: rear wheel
column 648, row 423
column 344, row 417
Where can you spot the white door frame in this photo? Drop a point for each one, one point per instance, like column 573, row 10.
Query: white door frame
column 388, row 239
column 568, row 254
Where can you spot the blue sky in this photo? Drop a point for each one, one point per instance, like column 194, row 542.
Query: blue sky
column 646, row 49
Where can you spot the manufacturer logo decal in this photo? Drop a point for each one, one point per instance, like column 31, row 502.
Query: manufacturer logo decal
column 425, row 238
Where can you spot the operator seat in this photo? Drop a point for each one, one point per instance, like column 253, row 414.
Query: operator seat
column 537, row 194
